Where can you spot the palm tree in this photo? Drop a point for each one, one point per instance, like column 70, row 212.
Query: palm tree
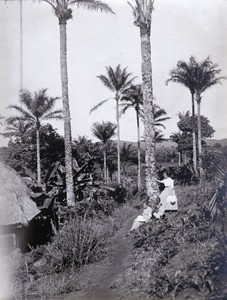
column 160, row 116
column 117, row 81
column 83, row 145
column 142, row 12
column 205, row 76
column 18, row 128
column 36, row 109
column 128, row 155
column 62, row 10
column 197, row 77
column 133, row 98
column 184, row 74
column 104, row 132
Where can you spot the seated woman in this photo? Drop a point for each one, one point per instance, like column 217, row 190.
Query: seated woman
column 146, row 215
column 168, row 199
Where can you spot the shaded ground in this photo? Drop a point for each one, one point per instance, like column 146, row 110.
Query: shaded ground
column 96, row 280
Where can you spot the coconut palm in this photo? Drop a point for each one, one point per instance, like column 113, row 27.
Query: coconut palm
column 34, row 109
column 117, row 80
column 133, row 98
column 142, row 12
column 104, row 132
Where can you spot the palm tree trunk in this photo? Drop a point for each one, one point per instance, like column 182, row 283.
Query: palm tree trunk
column 198, row 100
column 146, row 69
column 118, row 143
column 38, row 156
column 139, row 159
column 104, row 165
column 66, row 114
column 193, row 135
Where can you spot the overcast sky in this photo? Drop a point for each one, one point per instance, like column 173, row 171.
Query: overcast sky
column 96, row 40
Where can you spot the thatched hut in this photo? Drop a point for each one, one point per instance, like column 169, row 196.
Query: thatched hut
column 16, row 207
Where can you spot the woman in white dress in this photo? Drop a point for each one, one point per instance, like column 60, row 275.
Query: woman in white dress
column 168, row 199
column 146, row 215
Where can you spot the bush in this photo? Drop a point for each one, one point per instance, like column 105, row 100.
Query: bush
column 79, row 242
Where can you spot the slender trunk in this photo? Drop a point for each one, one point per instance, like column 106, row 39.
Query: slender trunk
column 139, row 159
column 118, row 143
column 198, row 100
column 193, row 135
column 70, row 197
column 38, row 156
column 104, row 164
column 179, row 159
column 107, row 175
column 146, row 68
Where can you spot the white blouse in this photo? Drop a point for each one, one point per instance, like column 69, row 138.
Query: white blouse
column 168, row 182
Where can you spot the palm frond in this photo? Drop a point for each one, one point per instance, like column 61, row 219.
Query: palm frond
column 107, row 82
column 98, row 105
column 92, row 5
column 104, row 131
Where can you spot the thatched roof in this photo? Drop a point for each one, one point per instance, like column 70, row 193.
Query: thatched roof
column 16, row 207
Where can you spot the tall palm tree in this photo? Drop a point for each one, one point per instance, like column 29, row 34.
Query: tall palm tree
column 142, row 12
column 117, row 80
column 184, row 74
column 205, row 76
column 197, row 77
column 133, row 98
column 34, row 109
column 104, row 132
column 62, row 10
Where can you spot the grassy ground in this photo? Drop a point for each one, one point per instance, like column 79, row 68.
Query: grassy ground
column 179, row 257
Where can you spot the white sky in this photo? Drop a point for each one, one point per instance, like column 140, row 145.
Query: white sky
column 180, row 28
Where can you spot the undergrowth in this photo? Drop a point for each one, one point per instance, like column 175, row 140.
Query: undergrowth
column 49, row 270
column 183, row 252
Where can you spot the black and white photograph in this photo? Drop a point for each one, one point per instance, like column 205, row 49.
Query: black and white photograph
column 113, row 149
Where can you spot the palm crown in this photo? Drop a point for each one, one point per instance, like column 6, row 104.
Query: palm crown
column 142, row 11
column 196, row 76
column 104, row 131
column 63, row 11
column 38, row 107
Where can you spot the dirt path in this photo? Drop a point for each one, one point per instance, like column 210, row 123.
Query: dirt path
column 95, row 280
